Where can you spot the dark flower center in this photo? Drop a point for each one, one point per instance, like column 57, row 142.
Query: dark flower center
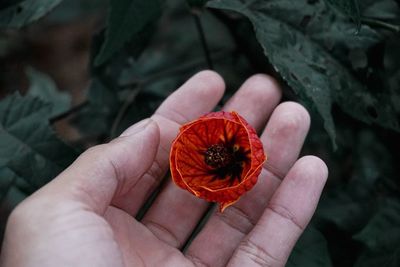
column 217, row 156
column 227, row 161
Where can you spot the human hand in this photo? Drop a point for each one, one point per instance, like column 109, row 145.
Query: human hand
column 85, row 216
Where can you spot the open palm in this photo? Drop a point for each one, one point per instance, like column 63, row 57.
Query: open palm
column 85, row 216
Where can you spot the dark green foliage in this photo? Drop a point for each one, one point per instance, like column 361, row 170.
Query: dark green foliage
column 25, row 12
column 30, row 153
column 26, row 137
column 197, row 3
column 339, row 58
column 126, row 19
column 311, row 250
column 349, row 7
column 300, row 38
column 44, row 88
column 381, row 237
column 351, row 204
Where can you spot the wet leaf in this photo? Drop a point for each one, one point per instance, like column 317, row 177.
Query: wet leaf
column 300, row 39
column 349, row 7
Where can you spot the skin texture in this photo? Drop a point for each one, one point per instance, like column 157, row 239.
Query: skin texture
column 84, row 217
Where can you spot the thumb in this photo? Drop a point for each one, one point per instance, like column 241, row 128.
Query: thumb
column 106, row 171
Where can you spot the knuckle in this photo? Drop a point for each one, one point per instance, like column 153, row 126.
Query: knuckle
column 196, row 260
column 100, row 155
column 285, row 213
column 236, row 219
column 257, row 254
column 156, row 172
column 95, row 151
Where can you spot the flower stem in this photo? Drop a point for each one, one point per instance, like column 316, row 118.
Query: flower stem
column 203, row 40
column 380, row 23
column 68, row 112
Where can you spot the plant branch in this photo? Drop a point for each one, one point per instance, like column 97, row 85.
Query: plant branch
column 172, row 71
column 147, row 80
column 68, row 112
column 203, row 40
column 246, row 44
column 131, row 98
column 380, row 23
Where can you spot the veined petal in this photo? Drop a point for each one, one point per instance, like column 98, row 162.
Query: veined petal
column 217, row 157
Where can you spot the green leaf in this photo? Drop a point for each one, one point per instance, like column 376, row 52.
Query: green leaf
column 44, row 88
column 73, row 10
column 382, row 237
column 26, row 12
column 197, row 3
column 350, row 205
column 8, row 3
column 143, row 106
column 96, row 118
column 387, row 258
column 311, row 250
column 348, row 7
column 301, row 39
column 126, row 19
column 382, row 10
column 341, row 209
column 28, row 146
column 383, row 230
column 7, row 178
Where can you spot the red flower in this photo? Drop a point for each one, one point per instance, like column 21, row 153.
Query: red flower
column 217, row 157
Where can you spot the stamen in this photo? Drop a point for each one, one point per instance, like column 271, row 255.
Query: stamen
column 218, row 156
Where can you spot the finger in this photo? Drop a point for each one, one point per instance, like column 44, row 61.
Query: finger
column 197, row 96
column 103, row 171
column 287, row 214
column 138, row 245
column 175, row 212
column 255, row 100
column 224, row 231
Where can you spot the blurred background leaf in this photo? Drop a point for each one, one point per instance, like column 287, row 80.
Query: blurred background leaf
column 44, row 88
column 21, row 13
column 126, row 18
column 27, row 137
column 311, row 250
column 30, row 152
column 349, row 7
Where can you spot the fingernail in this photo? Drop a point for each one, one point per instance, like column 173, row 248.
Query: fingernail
column 137, row 127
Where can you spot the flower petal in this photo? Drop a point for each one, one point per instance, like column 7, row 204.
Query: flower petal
column 223, row 184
